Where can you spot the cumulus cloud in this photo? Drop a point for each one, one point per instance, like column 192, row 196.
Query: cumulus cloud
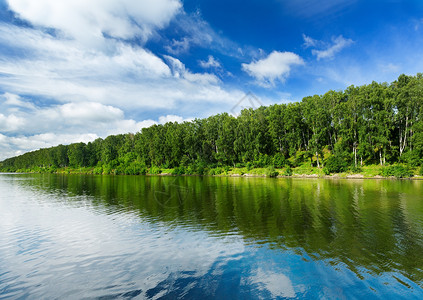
column 89, row 21
column 132, row 76
column 11, row 123
column 329, row 52
column 90, row 111
column 276, row 66
column 84, row 117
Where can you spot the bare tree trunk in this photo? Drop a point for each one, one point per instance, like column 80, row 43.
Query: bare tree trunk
column 404, row 140
column 384, row 156
column 355, row 155
column 380, row 157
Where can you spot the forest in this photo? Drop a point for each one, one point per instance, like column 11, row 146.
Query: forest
column 340, row 131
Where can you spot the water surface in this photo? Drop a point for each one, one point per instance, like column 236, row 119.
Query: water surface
column 75, row 236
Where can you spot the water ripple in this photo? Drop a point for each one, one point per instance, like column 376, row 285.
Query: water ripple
column 106, row 237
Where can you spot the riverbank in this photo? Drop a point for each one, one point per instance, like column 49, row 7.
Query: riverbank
column 366, row 172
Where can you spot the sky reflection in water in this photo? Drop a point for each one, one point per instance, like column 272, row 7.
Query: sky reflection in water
column 193, row 237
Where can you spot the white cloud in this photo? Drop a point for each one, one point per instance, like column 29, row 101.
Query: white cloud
column 210, row 63
column 179, row 71
column 15, row 100
column 339, row 43
column 276, row 66
column 89, row 21
column 131, row 77
column 11, row 123
column 90, row 111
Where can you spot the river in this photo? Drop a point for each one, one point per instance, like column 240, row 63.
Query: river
column 91, row 237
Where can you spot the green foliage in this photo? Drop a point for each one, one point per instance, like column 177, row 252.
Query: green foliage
column 398, row 171
column 179, row 171
column 200, row 168
column 335, row 164
column 271, row 172
column 262, row 160
column 279, row 160
column 374, row 124
column 216, row 171
column 421, row 170
column 155, row 170
column 288, row 171
column 98, row 170
column 326, row 171
column 355, row 170
column 107, row 169
column 411, row 158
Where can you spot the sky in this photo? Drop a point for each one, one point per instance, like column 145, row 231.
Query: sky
column 74, row 71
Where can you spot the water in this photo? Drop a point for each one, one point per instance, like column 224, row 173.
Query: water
column 90, row 237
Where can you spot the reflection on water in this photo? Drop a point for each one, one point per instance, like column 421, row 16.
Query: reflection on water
column 209, row 237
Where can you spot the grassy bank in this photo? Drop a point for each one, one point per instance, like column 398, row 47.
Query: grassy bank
column 372, row 171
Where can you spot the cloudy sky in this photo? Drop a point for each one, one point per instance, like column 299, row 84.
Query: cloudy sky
column 76, row 70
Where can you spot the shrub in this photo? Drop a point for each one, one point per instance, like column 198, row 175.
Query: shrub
column 155, row 170
column 107, row 169
column 120, row 170
column 288, row 171
column 421, row 171
column 136, row 168
column 98, row 170
column 262, row 160
column 411, row 158
column 178, row 171
column 271, row 172
column 355, row 169
column 326, row 171
column 335, row 164
column 216, row 171
column 398, row 171
column 279, row 160
column 200, row 168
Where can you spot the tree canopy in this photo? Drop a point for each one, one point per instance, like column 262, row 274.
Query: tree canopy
column 378, row 123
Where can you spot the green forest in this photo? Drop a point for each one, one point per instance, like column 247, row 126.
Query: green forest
column 377, row 126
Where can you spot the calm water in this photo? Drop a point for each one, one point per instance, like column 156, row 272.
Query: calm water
column 73, row 237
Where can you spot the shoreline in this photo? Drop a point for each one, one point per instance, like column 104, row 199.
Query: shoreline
column 247, row 175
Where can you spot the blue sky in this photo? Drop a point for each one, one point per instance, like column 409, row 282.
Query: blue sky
column 76, row 70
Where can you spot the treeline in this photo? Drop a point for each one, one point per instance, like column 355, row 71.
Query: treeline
column 340, row 130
